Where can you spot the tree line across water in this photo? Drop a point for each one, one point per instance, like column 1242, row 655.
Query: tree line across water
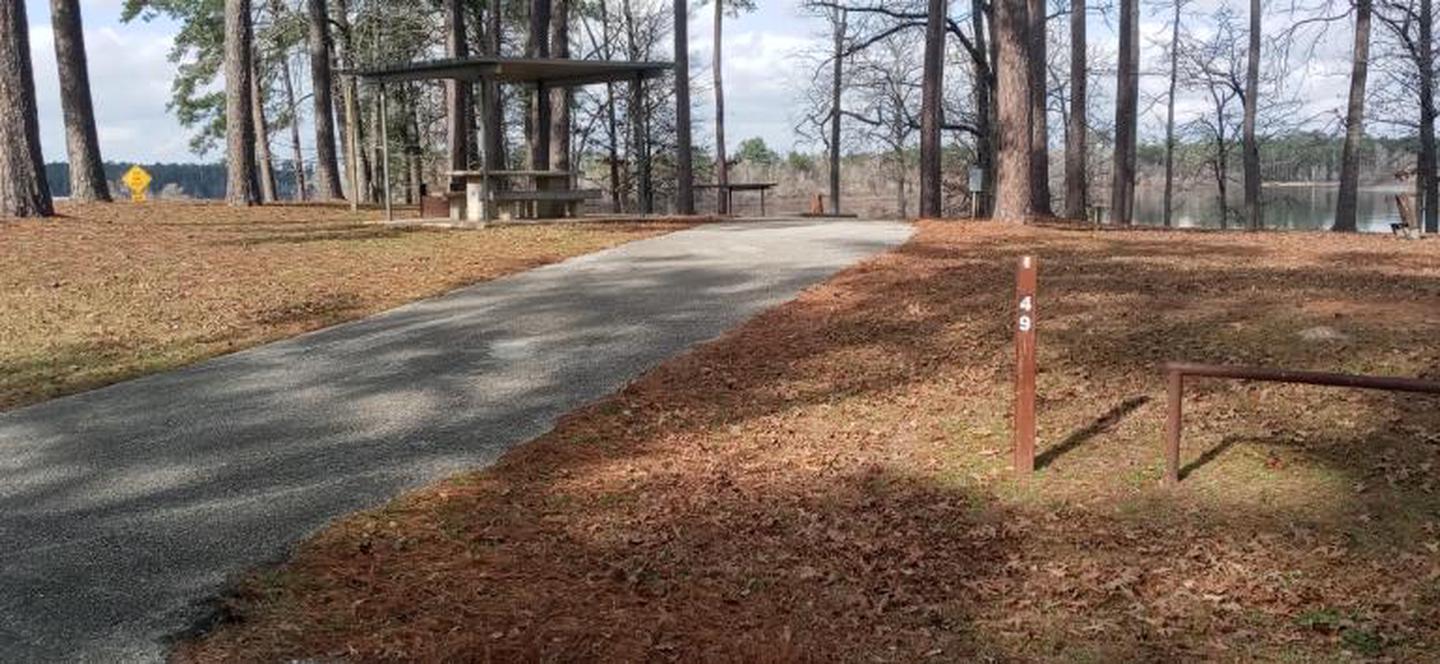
column 928, row 78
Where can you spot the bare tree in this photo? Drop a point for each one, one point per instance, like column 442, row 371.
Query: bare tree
column 1345, row 206
column 1013, row 197
column 1170, row 138
column 240, row 187
column 1075, row 135
column 82, row 144
column 23, row 189
column 1127, row 105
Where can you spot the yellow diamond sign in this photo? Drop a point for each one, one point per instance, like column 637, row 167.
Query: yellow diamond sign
column 138, row 180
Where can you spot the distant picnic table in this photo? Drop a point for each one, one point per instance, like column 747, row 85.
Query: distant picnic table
column 728, row 191
column 535, row 194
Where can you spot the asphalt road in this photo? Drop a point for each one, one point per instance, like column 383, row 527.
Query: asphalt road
column 124, row 510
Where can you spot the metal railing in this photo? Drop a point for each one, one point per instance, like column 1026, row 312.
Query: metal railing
column 1175, row 373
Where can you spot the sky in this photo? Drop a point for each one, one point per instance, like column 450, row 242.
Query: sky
column 130, row 76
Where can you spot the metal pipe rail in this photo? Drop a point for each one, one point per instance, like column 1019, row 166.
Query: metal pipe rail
column 1175, row 373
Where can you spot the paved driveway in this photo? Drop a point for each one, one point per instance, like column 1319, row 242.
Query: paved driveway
column 124, row 509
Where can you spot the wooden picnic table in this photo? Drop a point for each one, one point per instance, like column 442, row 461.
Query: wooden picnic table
column 728, row 191
column 551, row 194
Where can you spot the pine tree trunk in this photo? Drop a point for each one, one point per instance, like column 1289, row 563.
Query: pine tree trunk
column 459, row 113
column 1345, row 206
column 82, row 144
column 1170, row 117
column 612, row 128
column 263, row 159
column 560, row 97
column 1251, row 147
column 1076, row 136
column 932, row 94
column 297, row 155
column 1013, row 196
column 639, row 152
column 837, row 79
column 23, row 189
column 538, row 46
column 722, row 168
column 1127, row 100
column 983, row 90
column 351, row 123
column 1428, row 187
column 684, row 155
column 493, row 124
column 1039, row 122
column 239, row 126
column 327, row 168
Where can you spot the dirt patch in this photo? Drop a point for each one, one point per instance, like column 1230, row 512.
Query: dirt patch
column 830, row 483
column 108, row 292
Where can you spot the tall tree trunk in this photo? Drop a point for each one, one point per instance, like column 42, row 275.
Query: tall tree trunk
column 722, row 168
column 1429, row 188
column 1013, row 197
column 352, row 125
column 1345, row 207
column 931, row 111
column 263, row 160
column 1127, row 106
column 239, row 126
column 327, row 168
column 459, row 113
column 983, row 90
column 560, row 97
column 23, row 189
column 684, row 155
column 638, row 114
column 1039, row 123
column 612, row 128
column 82, row 144
column 538, row 46
column 1170, row 117
column 1251, row 148
column 1076, row 134
column 493, row 124
column 837, row 79
column 297, row 156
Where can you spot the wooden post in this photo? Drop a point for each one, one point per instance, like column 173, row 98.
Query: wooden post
column 1175, row 391
column 1025, row 284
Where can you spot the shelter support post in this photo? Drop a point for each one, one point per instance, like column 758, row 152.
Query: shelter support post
column 385, row 153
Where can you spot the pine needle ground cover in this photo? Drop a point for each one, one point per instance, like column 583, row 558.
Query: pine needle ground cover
column 830, row 481
column 109, row 292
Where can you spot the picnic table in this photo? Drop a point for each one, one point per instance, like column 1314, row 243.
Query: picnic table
column 532, row 194
column 728, row 191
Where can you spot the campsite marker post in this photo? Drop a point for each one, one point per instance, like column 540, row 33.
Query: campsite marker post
column 1025, row 283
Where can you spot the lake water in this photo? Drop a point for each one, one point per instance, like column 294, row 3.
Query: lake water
column 1285, row 207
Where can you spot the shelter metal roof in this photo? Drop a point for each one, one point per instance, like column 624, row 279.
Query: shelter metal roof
column 556, row 72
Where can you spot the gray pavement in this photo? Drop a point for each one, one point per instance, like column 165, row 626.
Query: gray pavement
column 124, row 510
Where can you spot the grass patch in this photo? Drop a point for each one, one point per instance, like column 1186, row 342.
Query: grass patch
column 829, row 482
column 108, row 292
